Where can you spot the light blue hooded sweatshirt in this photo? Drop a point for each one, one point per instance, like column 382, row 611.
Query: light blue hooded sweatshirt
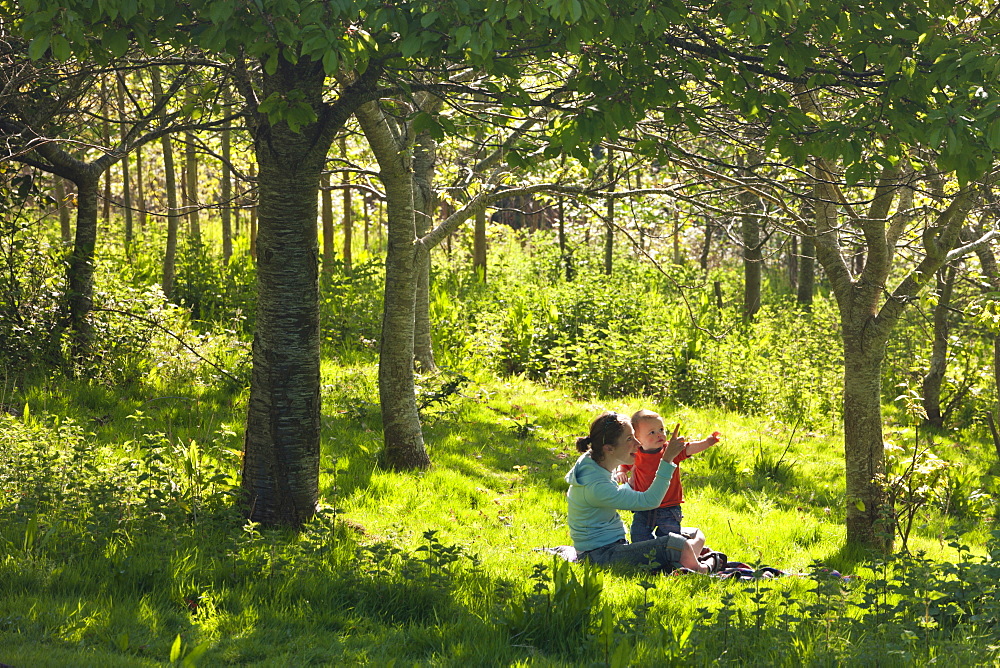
column 594, row 501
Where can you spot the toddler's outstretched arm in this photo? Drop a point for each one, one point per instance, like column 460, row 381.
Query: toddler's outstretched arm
column 694, row 447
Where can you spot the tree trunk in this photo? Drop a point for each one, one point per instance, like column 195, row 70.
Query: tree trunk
column 706, row 248
column 563, row 248
column 424, row 162
column 170, row 184
column 106, row 137
column 939, row 350
column 191, row 175
column 792, row 262
column 609, row 238
column 326, row 198
column 348, row 215
column 479, row 245
column 753, row 258
column 227, row 190
column 126, row 186
column 65, row 228
column 404, row 442
column 80, row 266
column 173, row 217
column 140, row 194
column 807, row 272
column 253, row 219
column 282, row 444
column 869, row 521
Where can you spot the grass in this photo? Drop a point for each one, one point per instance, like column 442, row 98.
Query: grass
column 104, row 567
column 120, row 544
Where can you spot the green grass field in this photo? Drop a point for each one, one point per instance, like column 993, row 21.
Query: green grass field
column 120, row 537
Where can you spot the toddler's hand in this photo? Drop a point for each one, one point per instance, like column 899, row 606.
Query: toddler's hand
column 620, row 476
column 715, row 437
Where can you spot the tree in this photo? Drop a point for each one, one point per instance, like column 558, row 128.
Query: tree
column 36, row 117
column 850, row 97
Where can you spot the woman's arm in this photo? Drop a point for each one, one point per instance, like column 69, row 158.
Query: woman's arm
column 609, row 495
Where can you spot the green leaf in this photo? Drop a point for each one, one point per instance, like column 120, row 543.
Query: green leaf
column 331, row 61
column 411, row 44
column 129, row 8
column 859, row 504
column 117, row 42
column 463, row 35
column 220, row 11
column 39, row 46
column 175, row 649
column 60, row 47
column 993, row 135
column 191, row 660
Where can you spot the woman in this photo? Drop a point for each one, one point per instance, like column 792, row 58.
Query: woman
column 595, row 499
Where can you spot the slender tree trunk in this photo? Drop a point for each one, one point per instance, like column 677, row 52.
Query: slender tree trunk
column 65, row 228
column 170, row 184
column 807, row 272
column 227, row 191
column 140, row 194
column 939, row 350
column 479, row 245
column 563, row 247
column 988, row 262
column 753, row 257
column 253, row 218
column 424, row 162
column 677, row 236
column 706, row 248
column 106, row 137
column 191, row 175
column 404, row 443
column 326, row 197
column 126, row 186
column 348, row 215
column 793, row 262
column 173, row 217
column 609, row 238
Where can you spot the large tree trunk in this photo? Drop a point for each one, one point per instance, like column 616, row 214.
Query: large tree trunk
column 281, row 450
column 939, row 350
column 404, row 441
column 869, row 521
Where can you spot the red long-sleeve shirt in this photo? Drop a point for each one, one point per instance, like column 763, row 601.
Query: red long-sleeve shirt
column 644, row 470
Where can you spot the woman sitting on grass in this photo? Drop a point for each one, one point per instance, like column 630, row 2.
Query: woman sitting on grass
column 594, row 500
